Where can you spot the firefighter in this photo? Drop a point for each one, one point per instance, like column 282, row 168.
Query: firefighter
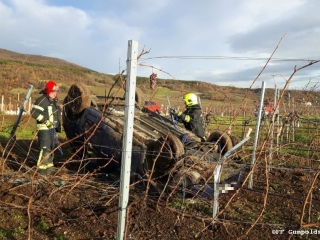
column 47, row 113
column 192, row 116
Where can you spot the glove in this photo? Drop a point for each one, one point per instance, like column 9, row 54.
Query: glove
column 174, row 111
column 56, row 139
column 49, row 124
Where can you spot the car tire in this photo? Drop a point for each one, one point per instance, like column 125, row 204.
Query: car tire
column 166, row 150
column 223, row 139
column 78, row 98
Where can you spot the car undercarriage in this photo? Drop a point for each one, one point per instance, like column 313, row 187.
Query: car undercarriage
column 163, row 153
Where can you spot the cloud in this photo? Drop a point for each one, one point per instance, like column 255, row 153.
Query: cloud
column 299, row 26
column 95, row 34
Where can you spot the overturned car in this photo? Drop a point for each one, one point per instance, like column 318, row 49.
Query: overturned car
column 162, row 153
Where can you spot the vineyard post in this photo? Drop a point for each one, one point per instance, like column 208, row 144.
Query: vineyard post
column 244, row 123
column 289, row 102
column 29, row 107
column 217, row 174
column 278, row 121
column 256, row 136
column 272, row 126
column 293, row 125
column 127, row 137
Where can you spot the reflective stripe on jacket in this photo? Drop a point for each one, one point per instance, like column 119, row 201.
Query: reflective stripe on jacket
column 43, row 110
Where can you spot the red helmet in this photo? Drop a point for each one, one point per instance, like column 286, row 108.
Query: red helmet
column 50, row 87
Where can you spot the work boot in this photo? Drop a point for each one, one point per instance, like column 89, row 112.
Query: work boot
column 45, row 158
column 49, row 161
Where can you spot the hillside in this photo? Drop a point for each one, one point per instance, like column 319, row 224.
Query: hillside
column 18, row 70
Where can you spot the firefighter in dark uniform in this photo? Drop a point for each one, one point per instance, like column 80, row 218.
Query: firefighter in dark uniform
column 192, row 116
column 47, row 113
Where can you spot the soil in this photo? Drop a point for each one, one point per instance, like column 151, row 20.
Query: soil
column 67, row 204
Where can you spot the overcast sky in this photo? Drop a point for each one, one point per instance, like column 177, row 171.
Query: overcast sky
column 95, row 34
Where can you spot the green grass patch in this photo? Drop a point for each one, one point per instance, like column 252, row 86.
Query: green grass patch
column 11, row 234
column 42, row 225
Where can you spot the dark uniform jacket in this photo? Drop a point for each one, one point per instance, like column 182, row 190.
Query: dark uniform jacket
column 195, row 124
column 45, row 109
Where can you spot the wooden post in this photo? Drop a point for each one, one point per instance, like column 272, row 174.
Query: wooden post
column 2, row 103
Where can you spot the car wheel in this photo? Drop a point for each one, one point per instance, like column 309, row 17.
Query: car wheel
column 223, row 139
column 163, row 154
column 78, row 98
